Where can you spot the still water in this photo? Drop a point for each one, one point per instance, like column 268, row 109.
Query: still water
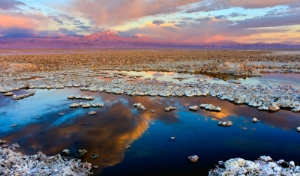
column 270, row 79
column 152, row 152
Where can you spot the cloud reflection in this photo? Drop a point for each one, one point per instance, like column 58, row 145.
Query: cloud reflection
column 107, row 134
column 118, row 124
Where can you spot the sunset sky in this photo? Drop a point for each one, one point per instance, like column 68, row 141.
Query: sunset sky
column 190, row 21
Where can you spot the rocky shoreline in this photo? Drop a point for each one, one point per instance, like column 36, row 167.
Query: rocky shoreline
column 264, row 165
column 100, row 72
column 265, row 98
column 17, row 164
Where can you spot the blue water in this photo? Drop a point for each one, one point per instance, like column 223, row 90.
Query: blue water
column 152, row 152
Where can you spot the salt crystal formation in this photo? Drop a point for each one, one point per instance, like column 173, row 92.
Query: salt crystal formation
column 193, row 158
column 81, row 97
column 139, row 106
column 170, row 108
column 263, row 166
column 225, row 123
column 92, row 112
column 254, row 120
column 210, row 107
column 18, row 97
column 86, row 105
column 267, row 98
column 15, row 163
column 193, row 108
column 8, row 94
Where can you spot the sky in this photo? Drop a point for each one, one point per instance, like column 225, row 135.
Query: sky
column 185, row 21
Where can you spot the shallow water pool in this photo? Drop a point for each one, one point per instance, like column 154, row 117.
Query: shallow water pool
column 270, row 79
column 152, row 152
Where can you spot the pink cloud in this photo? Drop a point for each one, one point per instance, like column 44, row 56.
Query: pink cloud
column 116, row 12
column 16, row 21
column 20, row 24
column 23, row 20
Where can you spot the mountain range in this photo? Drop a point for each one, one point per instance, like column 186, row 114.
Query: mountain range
column 109, row 39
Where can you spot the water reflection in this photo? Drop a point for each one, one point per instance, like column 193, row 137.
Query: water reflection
column 270, row 79
column 118, row 124
column 284, row 119
column 115, row 126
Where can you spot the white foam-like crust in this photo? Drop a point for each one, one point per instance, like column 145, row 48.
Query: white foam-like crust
column 15, row 163
column 263, row 166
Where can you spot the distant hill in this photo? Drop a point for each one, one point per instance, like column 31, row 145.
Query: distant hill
column 109, row 39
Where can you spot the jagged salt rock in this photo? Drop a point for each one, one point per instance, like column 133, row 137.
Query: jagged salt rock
column 169, row 108
column 71, row 97
column 292, row 164
column 66, row 152
column 92, row 112
column 254, row 120
column 193, row 158
column 225, row 123
column 235, row 163
column 193, row 108
column 265, row 158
